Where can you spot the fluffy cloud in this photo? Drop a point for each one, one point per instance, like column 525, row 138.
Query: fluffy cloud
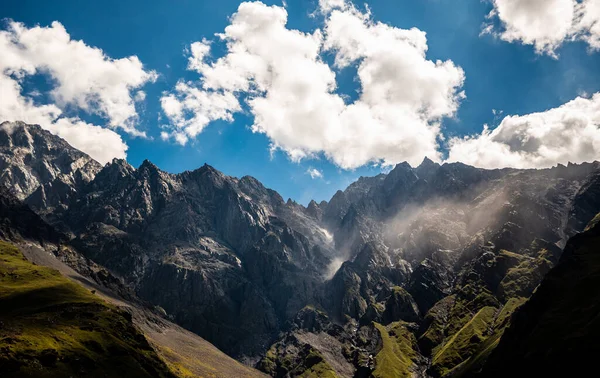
column 84, row 78
column 100, row 143
column 326, row 6
column 279, row 75
column 314, row 173
column 569, row 133
column 190, row 109
column 587, row 22
column 546, row 24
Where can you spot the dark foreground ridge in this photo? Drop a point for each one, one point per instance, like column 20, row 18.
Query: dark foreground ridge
column 555, row 333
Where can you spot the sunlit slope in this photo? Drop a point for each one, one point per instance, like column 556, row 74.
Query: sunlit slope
column 52, row 327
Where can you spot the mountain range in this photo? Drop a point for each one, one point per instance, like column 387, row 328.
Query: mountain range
column 430, row 271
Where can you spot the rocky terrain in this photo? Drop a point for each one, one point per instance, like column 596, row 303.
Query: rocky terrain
column 411, row 273
column 47, row 285
column 41, row 168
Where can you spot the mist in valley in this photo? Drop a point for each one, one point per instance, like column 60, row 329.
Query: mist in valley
column 419, row 229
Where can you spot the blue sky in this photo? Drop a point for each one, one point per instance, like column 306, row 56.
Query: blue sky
column 502, row 75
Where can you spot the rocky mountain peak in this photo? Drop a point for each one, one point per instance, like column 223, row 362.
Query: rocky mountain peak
column 207, row 168
column 148, row 171
column 15, row 134
column 427, row 169
column 148, row 165
column 337, row 207
column 119, row 165
column 427, row 162
column 206, row 175
column 31, row 157
column 253, row 187
column 399, row 178
column 314, row 210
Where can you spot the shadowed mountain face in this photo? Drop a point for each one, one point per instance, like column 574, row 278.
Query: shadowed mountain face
column 18, row 221
column 555, row 333
column 232, row 259
column 421, row 259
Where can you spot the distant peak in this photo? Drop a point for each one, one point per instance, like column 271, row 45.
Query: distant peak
column 17, row 126
column 401, row 169
column 427, row 168
column 338, row 195
column 209, row 172
column 250, row 179
column 207, row 167
column 427, row 162
column 148, row 165
column 11, row 126
column 403, row 165
column 116, row 168
column 120, row 162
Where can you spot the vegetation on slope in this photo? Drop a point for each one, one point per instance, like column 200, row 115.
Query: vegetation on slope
column 556, row 332
column 299, row 361
column 468, row 349
column 397, row 355
column 461, row 331
column 52, row 327
column 464, row 343
column 522, row 280
column 452, row 313
column 188, row 356
column 319, row 368
column 435, row 323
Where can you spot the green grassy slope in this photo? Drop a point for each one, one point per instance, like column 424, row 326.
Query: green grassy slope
column 462, row 330
column 52, row 327
column 467, row 350
column 396, row 358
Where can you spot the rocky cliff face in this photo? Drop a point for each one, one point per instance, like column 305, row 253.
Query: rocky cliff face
column 416, row 228
column 426, row 258
column 18, row 221
column 40, row 168
column 232, row 259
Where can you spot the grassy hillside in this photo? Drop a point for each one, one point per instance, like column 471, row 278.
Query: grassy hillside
column 52, row 327
column 396, row 358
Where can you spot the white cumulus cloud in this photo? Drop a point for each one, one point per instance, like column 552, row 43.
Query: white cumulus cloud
column 314, row 173
column 190, row 109
column 83, row 77
column 569, row 133
column 278, row 74
column 546, row 24
column 587, row 22
column 326, row 6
